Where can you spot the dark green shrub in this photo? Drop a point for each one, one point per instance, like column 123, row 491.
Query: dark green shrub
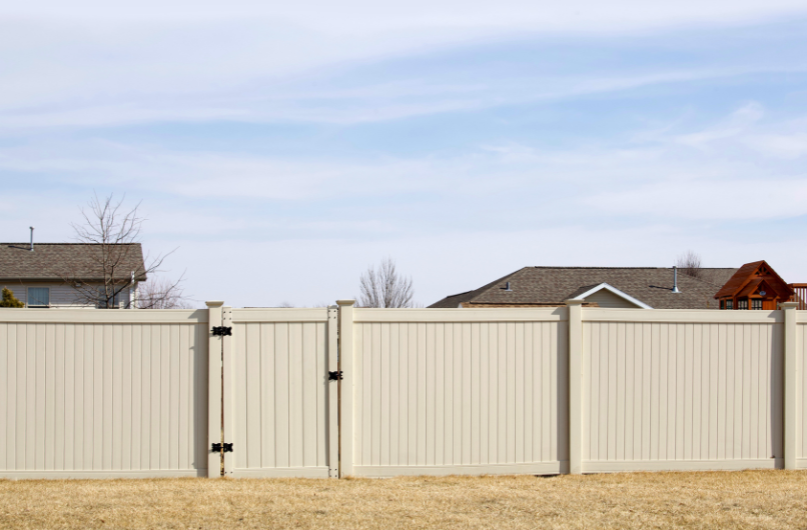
column 9, row 300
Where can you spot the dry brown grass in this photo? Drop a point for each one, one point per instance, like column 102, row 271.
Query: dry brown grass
column 751, row 499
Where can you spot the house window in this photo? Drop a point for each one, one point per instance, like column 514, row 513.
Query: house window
column 742, row 303
column 108, row 303
column 756, row 303
column 729, row 304
column 116, row 301
column 38, row 297
column 722, row 304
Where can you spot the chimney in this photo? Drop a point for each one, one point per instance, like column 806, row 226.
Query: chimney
column 32, row 239
column 675, row 280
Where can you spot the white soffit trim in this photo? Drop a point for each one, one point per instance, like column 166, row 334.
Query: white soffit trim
column 614, row 290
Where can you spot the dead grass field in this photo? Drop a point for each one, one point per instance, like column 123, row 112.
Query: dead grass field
column 750, row 499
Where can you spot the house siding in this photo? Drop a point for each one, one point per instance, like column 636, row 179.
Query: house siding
column 605, row 298
column 61, row 295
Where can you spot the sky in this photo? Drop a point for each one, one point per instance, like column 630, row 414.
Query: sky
column 279, row 151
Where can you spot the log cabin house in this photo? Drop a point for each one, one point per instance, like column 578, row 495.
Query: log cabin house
column 757, row 286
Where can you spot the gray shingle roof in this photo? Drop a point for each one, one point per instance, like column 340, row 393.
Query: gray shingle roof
column 56, row 261
column 553, row 285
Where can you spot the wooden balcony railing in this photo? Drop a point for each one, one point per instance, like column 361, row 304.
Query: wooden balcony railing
column 801, row 294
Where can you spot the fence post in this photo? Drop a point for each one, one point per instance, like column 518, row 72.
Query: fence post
column 791, row 381
column 333, row 392
column 575, row 359
column 228, row 389
column 346, row 387
column 214, row 416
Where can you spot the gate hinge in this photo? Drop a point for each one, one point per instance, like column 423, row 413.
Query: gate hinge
column 216, row 448
column 221, row 331
column 335, row 376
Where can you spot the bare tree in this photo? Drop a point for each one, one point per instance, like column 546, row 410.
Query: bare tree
column 114, row 258
column 385, row 287
column 161, row 293
column 690, row 264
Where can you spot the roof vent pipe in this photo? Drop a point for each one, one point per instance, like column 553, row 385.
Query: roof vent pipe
column 675, row 280
column 507, row 286
column 32, row 239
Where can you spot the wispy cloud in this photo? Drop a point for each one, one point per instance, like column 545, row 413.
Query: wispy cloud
column 466, row 142
column 89, row 75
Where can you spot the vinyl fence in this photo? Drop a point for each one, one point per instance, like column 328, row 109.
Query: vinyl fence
column 86, row 393
column 283, row 417
column 382, row 392
column 448, row 392
column 688, row 390
column 571, row 390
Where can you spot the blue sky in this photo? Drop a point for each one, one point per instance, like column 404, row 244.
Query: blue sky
column 283, row 150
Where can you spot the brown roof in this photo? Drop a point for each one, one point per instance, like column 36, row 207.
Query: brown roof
column 743, row 279
column 59, row 261
column 554, row 285
column 738, row 278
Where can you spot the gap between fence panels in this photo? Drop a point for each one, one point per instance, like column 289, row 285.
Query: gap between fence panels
column 345, row 391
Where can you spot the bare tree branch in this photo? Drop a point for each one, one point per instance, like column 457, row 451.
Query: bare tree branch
column 690, row 264
column 112, row 235
column 162, row 293
column 384, row 287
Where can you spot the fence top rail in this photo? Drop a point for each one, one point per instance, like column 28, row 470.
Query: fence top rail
column 104, row 316
column 801, row 317
column 554, row 314
column 278, row 315
column 704, row 316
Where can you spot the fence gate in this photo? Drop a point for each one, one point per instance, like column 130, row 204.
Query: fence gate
column 279, row 403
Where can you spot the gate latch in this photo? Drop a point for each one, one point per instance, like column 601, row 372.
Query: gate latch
column 221, row 331
column 216, row 448
column 335, row 376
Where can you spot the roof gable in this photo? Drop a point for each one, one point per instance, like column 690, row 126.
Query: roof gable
column 613, row 290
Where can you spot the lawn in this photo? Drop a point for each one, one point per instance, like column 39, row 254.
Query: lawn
column 750, row 499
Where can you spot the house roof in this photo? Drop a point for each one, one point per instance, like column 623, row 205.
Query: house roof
column 553, row 285
column 74, row 261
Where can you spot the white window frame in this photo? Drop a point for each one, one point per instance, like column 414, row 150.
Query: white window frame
column 28, row 298
column 612, row 289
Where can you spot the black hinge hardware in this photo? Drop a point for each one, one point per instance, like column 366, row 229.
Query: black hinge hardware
column 216, row 448
column 335, row 376
column 221, row 331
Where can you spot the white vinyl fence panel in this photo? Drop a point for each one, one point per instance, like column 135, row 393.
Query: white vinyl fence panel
column 681, row 390
column 91, row 393
column 462, row 391
column 280, row 381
